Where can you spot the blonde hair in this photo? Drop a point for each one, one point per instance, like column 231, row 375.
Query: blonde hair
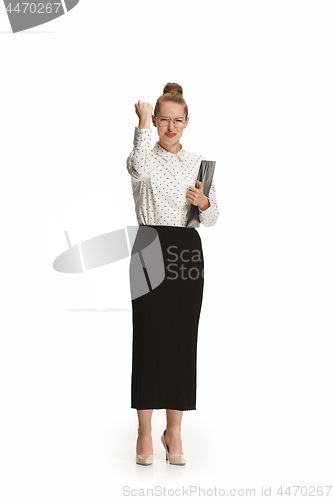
column 171, row 92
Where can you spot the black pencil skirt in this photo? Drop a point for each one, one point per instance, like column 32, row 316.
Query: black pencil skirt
column 167, row 280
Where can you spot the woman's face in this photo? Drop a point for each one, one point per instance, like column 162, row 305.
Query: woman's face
column 170, row 134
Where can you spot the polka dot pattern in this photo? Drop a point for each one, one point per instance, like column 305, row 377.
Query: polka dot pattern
column 160, row 181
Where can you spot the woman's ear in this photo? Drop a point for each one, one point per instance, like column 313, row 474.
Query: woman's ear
column 154, row 120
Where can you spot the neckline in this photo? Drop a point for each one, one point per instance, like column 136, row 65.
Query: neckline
column 167, row 151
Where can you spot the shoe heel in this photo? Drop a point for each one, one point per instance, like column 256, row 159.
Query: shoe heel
column 172, row 459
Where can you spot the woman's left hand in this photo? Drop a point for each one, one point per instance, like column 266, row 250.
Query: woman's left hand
column 196, row 195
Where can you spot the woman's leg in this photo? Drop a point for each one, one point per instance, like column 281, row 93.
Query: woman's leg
column 173, row 432
column 145, row 443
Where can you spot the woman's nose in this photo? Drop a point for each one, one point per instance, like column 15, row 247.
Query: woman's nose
column 171, row 125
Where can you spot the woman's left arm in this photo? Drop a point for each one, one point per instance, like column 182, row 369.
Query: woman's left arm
column 210, row 216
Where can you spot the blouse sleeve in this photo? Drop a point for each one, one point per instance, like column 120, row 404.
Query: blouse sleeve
column 210, row 216
column 138, row 164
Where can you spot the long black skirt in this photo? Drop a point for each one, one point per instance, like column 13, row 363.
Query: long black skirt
column 167, row 280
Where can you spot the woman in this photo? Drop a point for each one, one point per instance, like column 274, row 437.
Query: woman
column 165, row 320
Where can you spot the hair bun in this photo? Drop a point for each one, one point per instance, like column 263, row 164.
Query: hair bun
column 173, row 88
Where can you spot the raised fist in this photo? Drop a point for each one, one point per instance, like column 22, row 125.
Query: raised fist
column 144, row 110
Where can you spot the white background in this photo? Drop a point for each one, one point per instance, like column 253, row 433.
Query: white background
column 257, row 77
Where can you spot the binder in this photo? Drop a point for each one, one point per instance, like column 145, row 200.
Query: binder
column 205, row 175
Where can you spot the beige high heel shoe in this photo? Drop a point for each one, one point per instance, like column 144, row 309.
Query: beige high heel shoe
column 173, row 459
column 143, row 459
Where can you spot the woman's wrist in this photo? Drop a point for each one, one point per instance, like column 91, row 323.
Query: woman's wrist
column 205, row 205
column 144, row 125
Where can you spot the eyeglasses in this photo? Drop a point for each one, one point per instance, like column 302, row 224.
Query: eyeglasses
column 178, row 122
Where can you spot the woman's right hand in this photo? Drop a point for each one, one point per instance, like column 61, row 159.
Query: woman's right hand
column 144, row 111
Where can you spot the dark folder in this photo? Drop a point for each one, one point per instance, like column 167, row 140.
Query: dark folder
column 205, row 175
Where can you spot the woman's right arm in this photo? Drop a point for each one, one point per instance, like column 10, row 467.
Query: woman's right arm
column 138, row 164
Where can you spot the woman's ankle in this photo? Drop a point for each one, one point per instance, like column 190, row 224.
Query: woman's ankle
column 173, row 431
column 142, row 433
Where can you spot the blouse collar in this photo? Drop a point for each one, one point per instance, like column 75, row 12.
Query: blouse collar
column 167, row 155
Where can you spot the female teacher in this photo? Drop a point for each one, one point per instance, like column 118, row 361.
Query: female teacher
column 166, row 318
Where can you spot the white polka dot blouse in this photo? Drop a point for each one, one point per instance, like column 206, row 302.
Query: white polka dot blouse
column 160, row 181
